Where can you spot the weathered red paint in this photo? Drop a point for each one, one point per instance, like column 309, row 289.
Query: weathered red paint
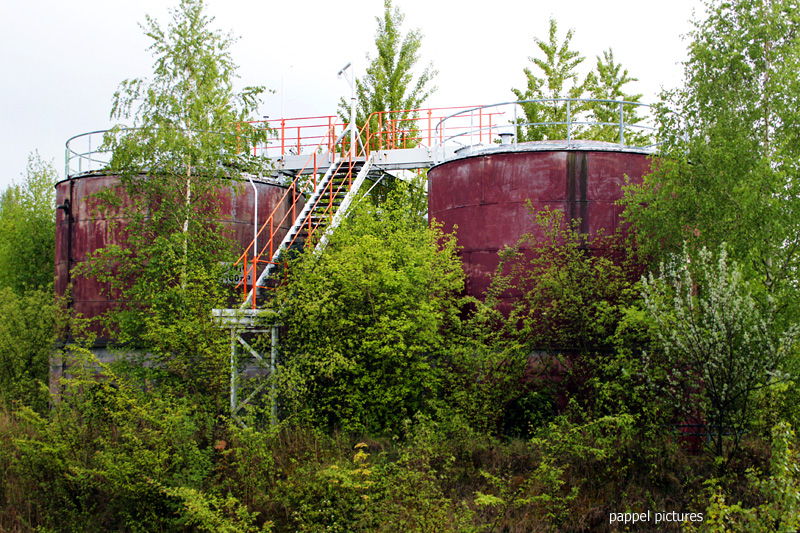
column 91, row 229
column 483, row 198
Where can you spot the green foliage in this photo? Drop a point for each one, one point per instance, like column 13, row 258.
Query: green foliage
column 730, row 153
column 605, row 83
column 27, row 258
column 26, row 341
column 546, row 495
column 780, row 491
column 389, row 83
column 214, row 514
column 480, row 382
column 720, row 346
column 574, row 294
column 559, row 79
column 189, row 139
column 365, row 320
column 27, row 229
column 189, row 124
column 112, row 456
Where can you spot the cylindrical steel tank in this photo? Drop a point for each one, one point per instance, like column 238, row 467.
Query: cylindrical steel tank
column 82, row 229
column 484, row 195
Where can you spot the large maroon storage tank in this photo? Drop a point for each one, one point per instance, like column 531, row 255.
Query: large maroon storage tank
column 81, row 230
column 484, row 195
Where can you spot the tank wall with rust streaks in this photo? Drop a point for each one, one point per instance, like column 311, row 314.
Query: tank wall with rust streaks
column 484, row 198
column 92, row 229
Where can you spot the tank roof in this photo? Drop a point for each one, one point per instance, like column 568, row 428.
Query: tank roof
column 549, row 146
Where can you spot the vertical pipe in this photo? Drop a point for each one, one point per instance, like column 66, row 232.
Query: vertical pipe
column 255, row 237
column 621, row 126
column 233, row 372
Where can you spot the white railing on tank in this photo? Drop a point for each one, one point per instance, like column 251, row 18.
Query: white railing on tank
column 463, row 127
column 89, row 152
column 86, row 153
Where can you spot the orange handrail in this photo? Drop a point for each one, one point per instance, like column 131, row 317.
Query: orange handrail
column 275, row 228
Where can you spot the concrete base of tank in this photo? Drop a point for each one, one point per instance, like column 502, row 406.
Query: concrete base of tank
column 66, row 357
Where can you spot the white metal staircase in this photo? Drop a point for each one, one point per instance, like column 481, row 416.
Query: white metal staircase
column 322, row 213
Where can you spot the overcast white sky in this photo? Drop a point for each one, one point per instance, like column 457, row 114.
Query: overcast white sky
column 62, row 61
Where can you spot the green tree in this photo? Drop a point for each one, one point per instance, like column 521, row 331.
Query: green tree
column 188, row 135
column 389, row 83
column 558, row 79
column 730, row 159
column 27, row 307
column 26, row 342
column 27, row 229
column 720, row 347
column 189, row 127
column 365, row 320
column 605, row 83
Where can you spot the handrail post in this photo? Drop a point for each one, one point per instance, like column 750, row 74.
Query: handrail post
column 471, row 126
column 430, row 111
column 621, row 126
column 516, row 126
column 569, row 124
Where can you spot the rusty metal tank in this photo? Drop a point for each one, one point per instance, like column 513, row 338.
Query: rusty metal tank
column 81, row 230
column 483, row 195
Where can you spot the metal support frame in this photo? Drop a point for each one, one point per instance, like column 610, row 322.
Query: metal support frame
column 241, row 322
